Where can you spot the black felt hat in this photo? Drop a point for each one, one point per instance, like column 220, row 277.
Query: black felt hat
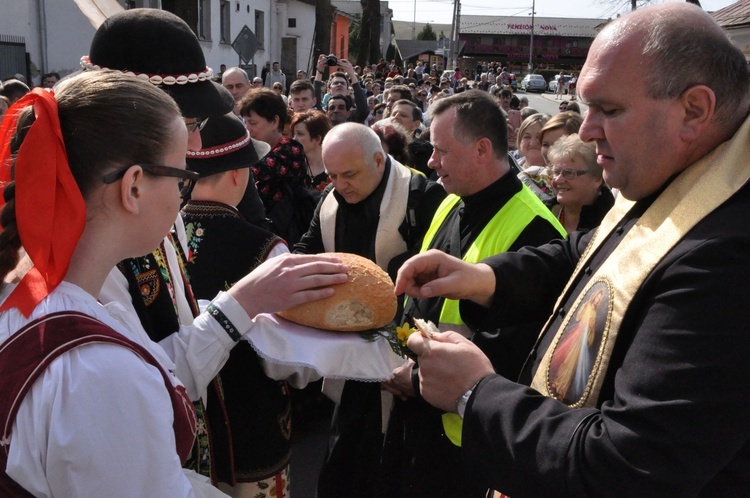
column 227, row 145
column 158, row 46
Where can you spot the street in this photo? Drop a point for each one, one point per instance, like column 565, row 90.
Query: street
column 545, row 102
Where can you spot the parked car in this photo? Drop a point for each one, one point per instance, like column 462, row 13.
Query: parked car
column 533, row 83
column 553, row 83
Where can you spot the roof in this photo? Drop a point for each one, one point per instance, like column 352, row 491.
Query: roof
column 516, row 25
column 734, row 15
column 402, row 29
column 412, row 48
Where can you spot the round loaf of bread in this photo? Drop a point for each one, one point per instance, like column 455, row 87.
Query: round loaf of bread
column 365, row 301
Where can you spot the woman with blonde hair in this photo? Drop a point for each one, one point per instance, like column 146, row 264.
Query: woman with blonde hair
column 534, row 169
column 537, row 177
column 579, row 187
column 529, row 147
column 559, row 125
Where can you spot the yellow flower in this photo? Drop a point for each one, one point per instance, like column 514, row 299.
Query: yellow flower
column 404, row 331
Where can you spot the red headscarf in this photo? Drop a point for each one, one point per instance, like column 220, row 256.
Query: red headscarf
column 50, row 211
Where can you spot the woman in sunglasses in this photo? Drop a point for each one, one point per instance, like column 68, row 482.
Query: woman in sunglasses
column 582, row 195
column 377, row 113
column 93, row 174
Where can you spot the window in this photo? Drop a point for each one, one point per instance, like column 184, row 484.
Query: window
column 204, row 20
column 224, row 11
column 292, row 22
column 259, row 25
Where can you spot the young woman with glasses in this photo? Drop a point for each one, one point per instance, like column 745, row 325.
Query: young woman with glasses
column 93, row 174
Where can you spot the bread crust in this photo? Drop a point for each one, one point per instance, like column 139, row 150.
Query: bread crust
column 365, row 301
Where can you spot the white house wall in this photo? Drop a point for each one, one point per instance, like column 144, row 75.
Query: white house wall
column 740, row 37
column 218, row 53
column 304, row 32
column 56, row 44
column 69, row 33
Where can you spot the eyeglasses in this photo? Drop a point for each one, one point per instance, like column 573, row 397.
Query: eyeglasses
column 186, row 183
column 198, row 124
column 568, row 174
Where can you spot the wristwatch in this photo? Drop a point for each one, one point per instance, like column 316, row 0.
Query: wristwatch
column 461, row 402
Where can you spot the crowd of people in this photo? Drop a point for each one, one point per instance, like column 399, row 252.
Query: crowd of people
column 126, row 303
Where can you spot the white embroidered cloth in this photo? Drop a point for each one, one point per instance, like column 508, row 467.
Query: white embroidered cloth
column 334, row 355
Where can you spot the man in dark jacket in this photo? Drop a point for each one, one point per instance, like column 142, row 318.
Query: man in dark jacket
column 377, row 208
column 489, row 211
column 339, row 86
column 636, row 385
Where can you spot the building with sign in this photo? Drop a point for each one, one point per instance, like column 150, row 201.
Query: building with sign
column 433, row 53
column 558, row 43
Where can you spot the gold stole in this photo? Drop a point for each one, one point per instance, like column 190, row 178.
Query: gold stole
column 588, row 333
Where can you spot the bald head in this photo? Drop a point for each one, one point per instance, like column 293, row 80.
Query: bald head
column 357, row 138
column 354, row 160
column 232, row 71
column 236, row 81
column 682, row 46
column 664, row 87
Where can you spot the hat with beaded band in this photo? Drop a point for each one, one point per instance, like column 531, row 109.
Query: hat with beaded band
column 227, row 145
column 158, row 46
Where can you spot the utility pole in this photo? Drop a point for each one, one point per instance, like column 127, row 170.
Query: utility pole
column 531, row 41
column 414, row 23
column 456, row 25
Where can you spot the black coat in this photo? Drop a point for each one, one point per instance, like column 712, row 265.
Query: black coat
column 672, row 417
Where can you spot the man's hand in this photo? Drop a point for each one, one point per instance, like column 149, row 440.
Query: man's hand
column 400, row 385
column 435, row 273
column 284, row 282
column 448, row 368
column 349, row 70
column 321, row 65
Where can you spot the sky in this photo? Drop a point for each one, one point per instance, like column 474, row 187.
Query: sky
column 441, row 11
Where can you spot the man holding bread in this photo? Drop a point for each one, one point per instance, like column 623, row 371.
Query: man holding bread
column 637, row 385
column 379, row 209
column 488, row 211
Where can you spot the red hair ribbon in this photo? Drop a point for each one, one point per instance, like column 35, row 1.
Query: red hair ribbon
column 50, row 211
